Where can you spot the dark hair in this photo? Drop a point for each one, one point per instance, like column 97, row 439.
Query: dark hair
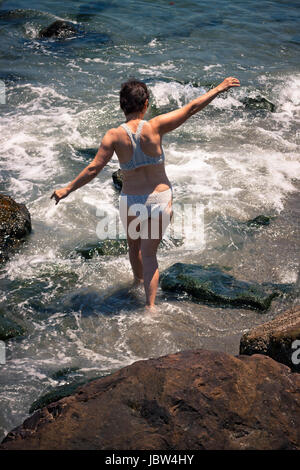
column 133, row 96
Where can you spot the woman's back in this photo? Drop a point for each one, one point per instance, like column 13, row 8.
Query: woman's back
column 141, row 158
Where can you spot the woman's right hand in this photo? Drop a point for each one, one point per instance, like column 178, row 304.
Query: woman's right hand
column 229, row 82
column 59, row 194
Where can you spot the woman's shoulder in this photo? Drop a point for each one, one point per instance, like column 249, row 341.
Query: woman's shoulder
column 153, row 123
column 114, row 132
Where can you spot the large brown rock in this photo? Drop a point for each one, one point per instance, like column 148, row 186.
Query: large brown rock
column 276, row 338
column 185, row 401
column 15, row 224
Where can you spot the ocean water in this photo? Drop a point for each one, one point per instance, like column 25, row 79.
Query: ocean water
column 238, row 161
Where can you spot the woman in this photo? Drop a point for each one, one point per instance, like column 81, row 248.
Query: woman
column 146, row 195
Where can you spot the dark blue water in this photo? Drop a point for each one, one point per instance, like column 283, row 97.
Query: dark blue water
column 236, row 160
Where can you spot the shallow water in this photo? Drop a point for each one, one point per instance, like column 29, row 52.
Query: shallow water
column 62, row 96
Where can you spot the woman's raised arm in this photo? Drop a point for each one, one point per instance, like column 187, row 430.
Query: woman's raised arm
column 169, row 121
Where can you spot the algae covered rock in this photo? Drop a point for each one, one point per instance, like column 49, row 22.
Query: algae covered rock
column 61, row 391
column 211, row 284
column 54, row 395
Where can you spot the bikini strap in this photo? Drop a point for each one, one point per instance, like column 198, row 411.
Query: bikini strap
column 139, row 130
column 129, row 132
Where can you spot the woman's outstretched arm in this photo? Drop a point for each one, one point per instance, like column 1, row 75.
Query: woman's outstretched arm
column 169, row 121
column 102, row 157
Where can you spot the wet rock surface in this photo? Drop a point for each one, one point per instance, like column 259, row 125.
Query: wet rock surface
column 117, row 247
column 259, row 220
column 15, row 225
column 259, row 103
column 56, row 394
column 189, row 400
column 103, row 248
column 212, row 284
column 275, row 339
column 117, row 178
column 58, row 29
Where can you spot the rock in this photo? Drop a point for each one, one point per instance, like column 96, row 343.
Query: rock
column 118, row 179
column 259, row 220
column 56, row 394
column 63, row 373
column 118, row 247
column 15, row 225
column 258, row 103
column 275, row 338
column 189, row 400
column 75, row 379
column 58, row 29
column 105, row 247
column 9, row 329
column 87, row 154
column 211, row 284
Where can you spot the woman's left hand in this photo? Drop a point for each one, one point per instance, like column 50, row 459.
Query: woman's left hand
column 59, row 194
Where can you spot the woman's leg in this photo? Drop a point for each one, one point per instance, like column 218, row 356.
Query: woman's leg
column 135, row 255
column 134, row 244
column 135, row 258
column 149, row 252
column 150, row 269
column 142, row 250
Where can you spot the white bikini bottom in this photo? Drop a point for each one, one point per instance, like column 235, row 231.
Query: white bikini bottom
column 145, row 206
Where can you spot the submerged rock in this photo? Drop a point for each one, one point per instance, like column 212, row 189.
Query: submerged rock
column 103, row 248
column 259, row 220
column 189, row 400
column 118, row 247
column 15, row 225
column 211, row 284
column 275, row 339
column 118, row 179
column 58, row 29
column 259, row 103
column 9, row 329
column 63, row 373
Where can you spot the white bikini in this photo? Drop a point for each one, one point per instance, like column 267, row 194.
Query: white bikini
column 152, row 204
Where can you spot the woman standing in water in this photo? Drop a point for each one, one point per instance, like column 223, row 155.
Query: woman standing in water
column 147, row 192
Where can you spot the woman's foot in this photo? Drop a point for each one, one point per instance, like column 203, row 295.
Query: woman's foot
column 151, row 308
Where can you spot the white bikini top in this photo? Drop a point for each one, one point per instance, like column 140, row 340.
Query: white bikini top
column 139, row 158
